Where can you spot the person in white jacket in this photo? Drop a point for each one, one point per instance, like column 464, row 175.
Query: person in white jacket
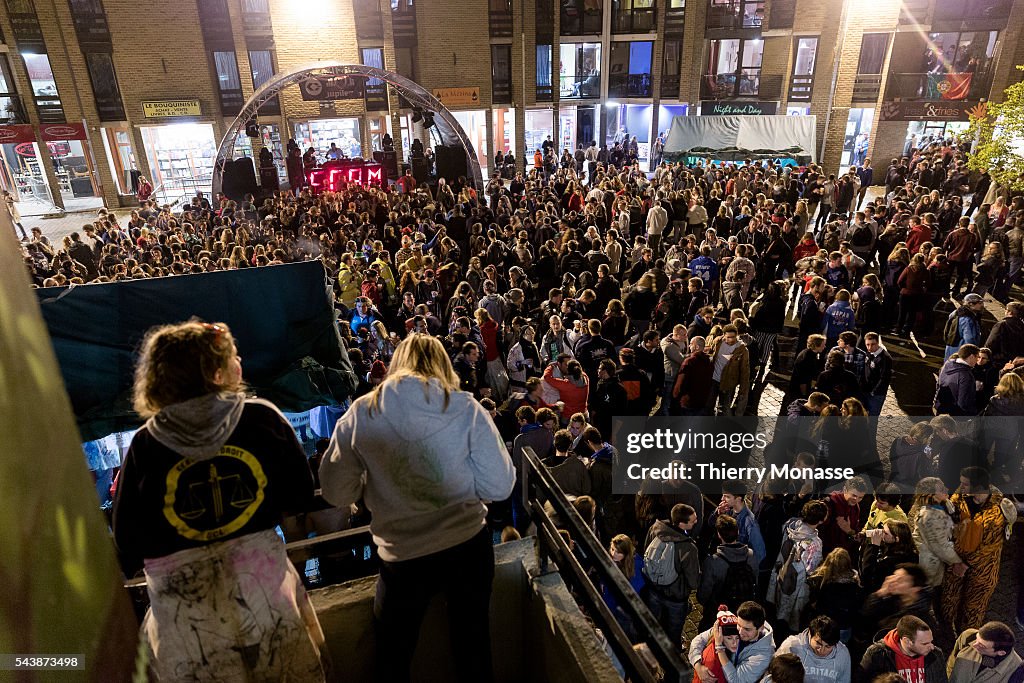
column 425, row 458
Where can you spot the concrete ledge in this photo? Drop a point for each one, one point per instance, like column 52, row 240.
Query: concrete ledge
column 537, row 631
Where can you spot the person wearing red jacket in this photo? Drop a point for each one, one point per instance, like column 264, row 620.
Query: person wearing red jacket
column 960, row 245
column 805, row 247
column 919, row 234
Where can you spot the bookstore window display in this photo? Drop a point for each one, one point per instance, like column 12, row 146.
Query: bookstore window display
column 181, row 158
column 270, row 134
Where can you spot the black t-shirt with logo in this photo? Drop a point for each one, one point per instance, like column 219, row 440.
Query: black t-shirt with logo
column 166, row 503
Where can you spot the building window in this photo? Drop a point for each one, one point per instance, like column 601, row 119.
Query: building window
column 228, row 82
column 868, row 83
column 735, row 14
column 104, row 86
column 579, row 70
column 256, row 15
column 501, row 74
column 261, row 64
column 802, row 81
column 10, row 104
column 44, row 87
column 733, row 69
column 545, row 20
column 500, row 18
column 946, row 10
column 630, row 69
column 632, row 16
column 544, row 90
column 670, row 69
column 581, row 17
column 944, row 66
column 376, row 89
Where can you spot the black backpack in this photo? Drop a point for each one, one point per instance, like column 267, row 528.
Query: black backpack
column 739, row 584
column 951, row 331
column 861, row 236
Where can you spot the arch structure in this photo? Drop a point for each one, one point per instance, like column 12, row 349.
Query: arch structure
column 446, row 123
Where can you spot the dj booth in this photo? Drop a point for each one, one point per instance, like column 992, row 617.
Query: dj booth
column 337, row 174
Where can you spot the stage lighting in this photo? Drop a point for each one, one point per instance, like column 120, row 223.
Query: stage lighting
column 428, row 119
column 252, row 129
column 417, row 115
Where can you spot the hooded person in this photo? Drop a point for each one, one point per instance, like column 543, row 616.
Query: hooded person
column 825, row 658
column 907, row 650
column 800, row 553
column 751, row 659
column 424, row 457
column 204, row 444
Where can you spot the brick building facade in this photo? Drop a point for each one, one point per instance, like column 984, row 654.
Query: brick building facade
column 153, row 88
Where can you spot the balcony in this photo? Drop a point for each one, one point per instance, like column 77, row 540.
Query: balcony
column 403, row 22
column 926, row 86
column 579, row 87
column 675, row 22
column 579, row 20
column 545, row 93
column 12, row 110
column 369, row 25
column 746, row 83
column 670, row 86
column 734, row 14
column 974, row 11
column 800, row 88
column 633, row 21
column 866, row 87
column 50, row 110
column 629, row 85
column 257, row 23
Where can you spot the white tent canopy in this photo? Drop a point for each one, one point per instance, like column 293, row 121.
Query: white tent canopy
column 739, row 137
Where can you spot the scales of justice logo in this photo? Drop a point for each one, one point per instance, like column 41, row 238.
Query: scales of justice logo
column 209, row 499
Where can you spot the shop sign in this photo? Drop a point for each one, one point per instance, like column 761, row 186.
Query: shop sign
column 458, row 97
column 170, row 108
column 713, row 108
column 927, row 111
column 62, row 131
column 332, row 88
column 16, row 134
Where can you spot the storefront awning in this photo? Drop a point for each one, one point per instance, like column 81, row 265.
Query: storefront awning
column 733, row 138
column 282, row 319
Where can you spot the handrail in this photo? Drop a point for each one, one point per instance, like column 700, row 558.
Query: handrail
column 298, row 551
column 533, row 473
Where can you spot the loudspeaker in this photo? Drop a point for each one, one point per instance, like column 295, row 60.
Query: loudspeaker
column 239, row 179
column 389, row 160
column 420, row 169
column 269, row 180
column 450, row 161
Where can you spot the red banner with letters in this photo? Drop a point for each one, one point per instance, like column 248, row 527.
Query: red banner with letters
column 17, row 134
column 52, row 132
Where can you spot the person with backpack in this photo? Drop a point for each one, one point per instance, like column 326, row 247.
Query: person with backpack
column 799, row 556
column 729, row 576
column 672, row 569
column 861, row 236
column 963, row 326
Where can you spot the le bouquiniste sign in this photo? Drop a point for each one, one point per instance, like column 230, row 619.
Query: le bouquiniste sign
column 171, row 108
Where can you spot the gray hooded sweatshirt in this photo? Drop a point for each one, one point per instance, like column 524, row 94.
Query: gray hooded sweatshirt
column 835, row 668
column 423, row 469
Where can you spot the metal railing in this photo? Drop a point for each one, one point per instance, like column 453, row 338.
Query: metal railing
column 538, row 488
column 737, row 14
column 800, row 88
column 866, row 87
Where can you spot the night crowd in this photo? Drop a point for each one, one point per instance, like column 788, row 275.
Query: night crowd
column 584, row 290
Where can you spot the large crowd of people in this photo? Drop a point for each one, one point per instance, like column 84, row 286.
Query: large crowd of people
column 583, row 291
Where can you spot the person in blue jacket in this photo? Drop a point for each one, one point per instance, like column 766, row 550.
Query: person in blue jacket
column 839, row 317
column 968, row 324
column 625, row 556
column 705, row 268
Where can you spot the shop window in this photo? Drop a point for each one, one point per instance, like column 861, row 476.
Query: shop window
column 544, row 90
column 44, row 87
column 630, row 69
column 229, row 83
column 733, row 69
column 581, row 17
column 801, row 83
column 181, row 158
column 261, row 64
column 579, row 73
column 632, row 16
column 670, row 69
column 501, row 74
column 121, row 158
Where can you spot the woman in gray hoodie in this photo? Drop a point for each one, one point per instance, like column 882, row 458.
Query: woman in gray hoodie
column 425, row 458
